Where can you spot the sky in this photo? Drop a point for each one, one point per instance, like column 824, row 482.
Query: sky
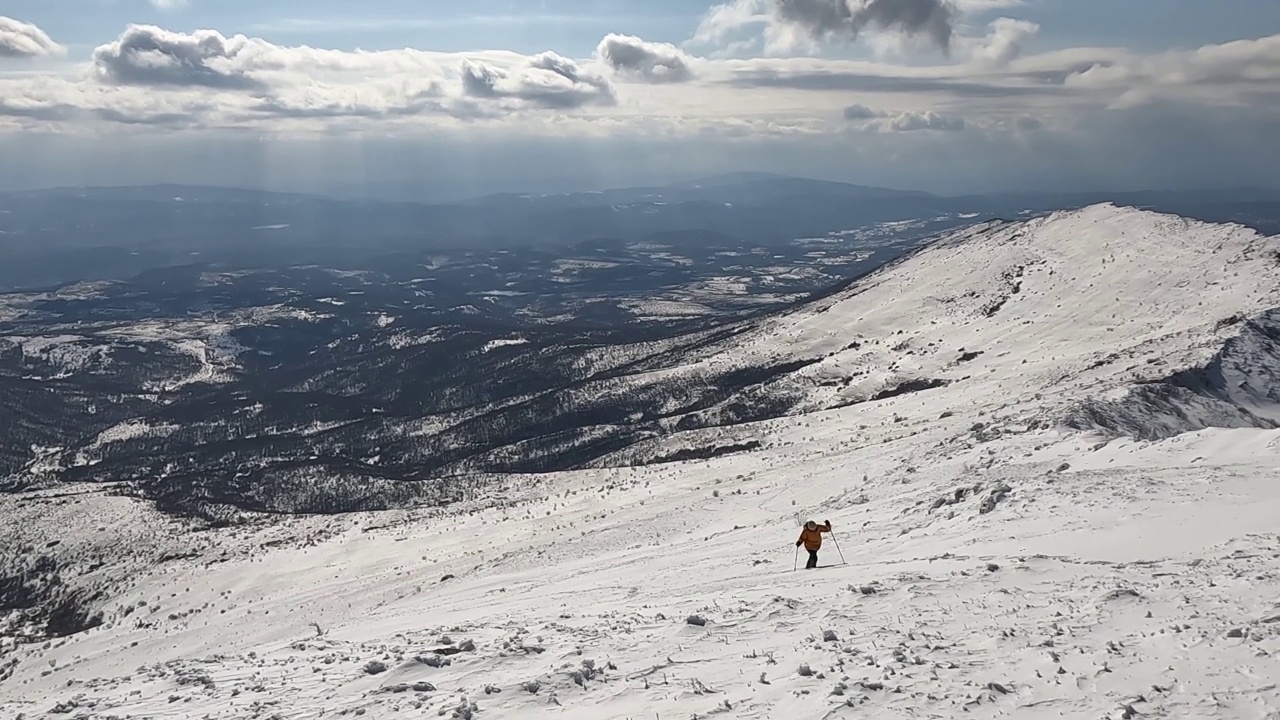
column 949, row 96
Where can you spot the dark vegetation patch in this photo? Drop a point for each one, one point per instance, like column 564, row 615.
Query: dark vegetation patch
column 368, row 391
column 1230, row 321
column 906, row 388
column 706, row 453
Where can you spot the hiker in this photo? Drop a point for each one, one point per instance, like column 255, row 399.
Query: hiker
column 811, row 538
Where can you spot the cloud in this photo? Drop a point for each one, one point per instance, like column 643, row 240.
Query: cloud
column 256, row 79
column 36, row 110
column 1005, row 42
column 910, row 121
column 792, row 24
column 61, row 113
column 24, row 40
column 1165, row 144
column 842, row 76
column 1238, row 63
column 206, row 86
column 652, row 62
column 976, row 7
column 825, row 20
column 725, row 20
column 902, row 121
column 859, row 111
column 169, row 4
column 1001, row 113
column 57, row 99
column 380, row 104
column 547, row 80
column 148, row 55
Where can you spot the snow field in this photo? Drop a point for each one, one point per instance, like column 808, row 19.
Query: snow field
column 1060, row 575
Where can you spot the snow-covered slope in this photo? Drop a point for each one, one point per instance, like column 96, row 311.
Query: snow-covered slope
column 1011, row 550
column 1071, row 304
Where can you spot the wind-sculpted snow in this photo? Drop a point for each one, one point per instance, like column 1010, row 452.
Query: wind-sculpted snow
column 1239, row 387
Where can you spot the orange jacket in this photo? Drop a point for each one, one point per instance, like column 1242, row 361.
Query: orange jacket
column 812, row 539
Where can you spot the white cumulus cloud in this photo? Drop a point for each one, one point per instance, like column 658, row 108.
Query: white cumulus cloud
column 24, row 40
column 649, row 61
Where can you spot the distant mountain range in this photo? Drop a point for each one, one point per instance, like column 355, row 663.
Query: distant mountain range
column 64, row 234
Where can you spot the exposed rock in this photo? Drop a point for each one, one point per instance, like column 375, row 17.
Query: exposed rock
column 993, row 498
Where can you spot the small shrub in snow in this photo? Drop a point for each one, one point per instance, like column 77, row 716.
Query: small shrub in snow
column 532, row 687
column 806, row 671
column 871, row 685
column 467, row 646
column 829, row 636
column 375, row 667
column 435, row 661
column 197, row 678
column 696, row 620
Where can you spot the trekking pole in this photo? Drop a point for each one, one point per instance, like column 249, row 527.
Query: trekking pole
column 837, row 542
column 795, row 564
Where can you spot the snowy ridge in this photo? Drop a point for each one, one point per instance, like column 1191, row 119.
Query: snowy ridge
column 1001, row 563
column 1062, row 307
column 1239, row 387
